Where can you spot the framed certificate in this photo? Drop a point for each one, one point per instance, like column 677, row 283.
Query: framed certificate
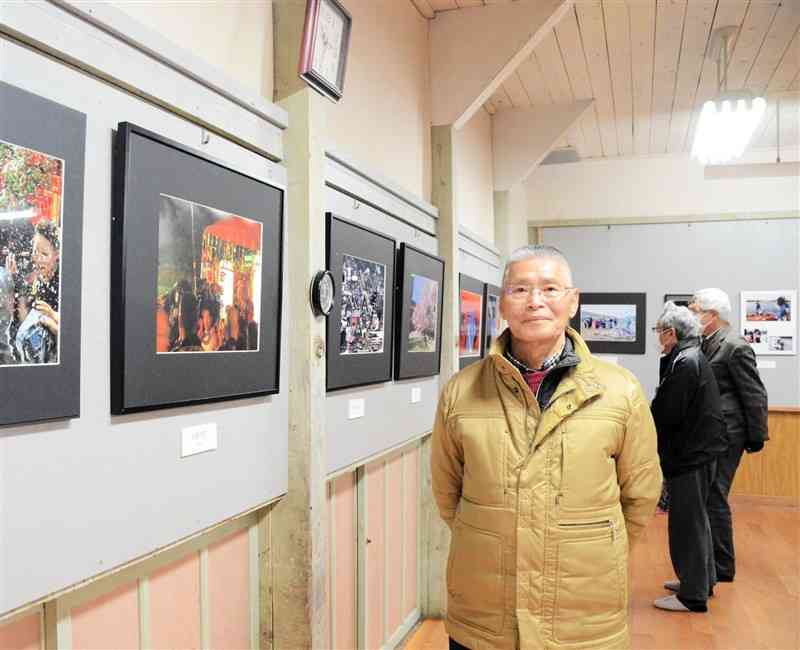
column 323, row 53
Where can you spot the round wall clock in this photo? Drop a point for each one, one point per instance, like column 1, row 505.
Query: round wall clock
column 322, row 293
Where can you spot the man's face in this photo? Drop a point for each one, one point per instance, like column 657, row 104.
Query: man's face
column 706, row 318
column 533, row 315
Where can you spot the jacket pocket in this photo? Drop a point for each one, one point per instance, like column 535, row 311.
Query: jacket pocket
column 591, row 582
column 475, row 578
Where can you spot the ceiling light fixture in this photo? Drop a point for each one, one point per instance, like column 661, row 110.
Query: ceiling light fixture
column 727, row 122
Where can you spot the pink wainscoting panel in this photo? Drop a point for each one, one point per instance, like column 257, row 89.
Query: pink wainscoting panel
column 22, row 634
column 346, row 561
column 229, row 592
column 175, row 605
column 411, row 498
column 375, row 559
column 111, row 621
column 394, row 544
column 331, row 487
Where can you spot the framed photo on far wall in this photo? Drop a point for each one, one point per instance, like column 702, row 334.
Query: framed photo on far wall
column 769, row 322
column 42, row 152
column 323, row 52
column 680, row 299
column 360, row 325
column 612, row 323
column 470, row 328
column 491, row 316
column 418, row 343
column 196, row 277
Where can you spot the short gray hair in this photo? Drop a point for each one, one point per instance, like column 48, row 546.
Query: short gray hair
column 713, row 300
column 536, row 250
column 681, row 319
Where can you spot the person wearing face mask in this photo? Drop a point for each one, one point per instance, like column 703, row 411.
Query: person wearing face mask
column 691, row 436
column 744, row 406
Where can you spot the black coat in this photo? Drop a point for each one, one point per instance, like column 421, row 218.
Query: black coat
column 687, row 411
column 744, row 398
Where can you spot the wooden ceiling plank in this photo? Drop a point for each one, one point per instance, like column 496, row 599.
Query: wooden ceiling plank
column 788, row 68
column 443, row 5
column 555, row 74
column 501, row 100
column 729, row 12
column 779, row 38
column 569, row 42
column 530, row 73
column 424, row 8
column 643, row 20
column 618, row 33
column 669, row 33
column 516, row 91
column 463, row 4
column 696, row 35
column 593, row 35
column 757, row 23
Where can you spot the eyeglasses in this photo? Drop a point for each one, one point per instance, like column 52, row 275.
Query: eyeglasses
column 658, row 330
column 520, row 292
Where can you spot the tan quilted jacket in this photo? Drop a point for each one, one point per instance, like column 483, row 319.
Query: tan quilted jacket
column 542, row 506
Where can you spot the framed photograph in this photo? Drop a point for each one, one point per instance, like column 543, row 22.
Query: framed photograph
column 41, row 224
column 196, row 277
column 418, row 340
column 768, row 321
column 491, row 316
column 326, row 40
column 680, row 299
column 470, row 323
column 612, row 323
column 360, row 325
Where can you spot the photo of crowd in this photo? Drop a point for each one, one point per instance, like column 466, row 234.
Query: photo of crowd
column 492, row 319
column 209, row 278
column 469, row 333
column 31, row 196
column 755, row 335
column 424, row 314
column 363, row 293
column 608, row 323
column 777, row 309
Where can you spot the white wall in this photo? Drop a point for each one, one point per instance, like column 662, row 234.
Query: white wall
column 475, row 178
column 233, row 35
column 651, row 187
column 383, row 120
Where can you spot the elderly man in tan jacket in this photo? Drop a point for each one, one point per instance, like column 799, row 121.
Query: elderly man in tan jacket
column 544, row 465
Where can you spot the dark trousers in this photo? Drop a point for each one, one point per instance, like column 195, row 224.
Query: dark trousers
column 455, row 645
column 690, row 544
column 719, row 512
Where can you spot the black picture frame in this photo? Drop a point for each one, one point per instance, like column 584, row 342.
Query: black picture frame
column 491, row 302
column 637, row 300
column 333, row 88
column 151, row 173
column 476, row 287
column 372, row 250
column 48, row 390
column 680, row 299
column 412, row 261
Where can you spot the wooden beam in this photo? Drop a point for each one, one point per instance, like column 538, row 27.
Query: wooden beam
column 474, row 50
column 424, row 8
column 523, row 137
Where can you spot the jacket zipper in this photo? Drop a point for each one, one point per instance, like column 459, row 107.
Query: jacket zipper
column 607, row 523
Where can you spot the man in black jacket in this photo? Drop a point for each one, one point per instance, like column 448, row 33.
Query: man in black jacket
column 691, row 435
column 744, row 407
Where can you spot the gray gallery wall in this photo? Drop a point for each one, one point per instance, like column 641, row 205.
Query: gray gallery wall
column 680, row 258
column 81, row 496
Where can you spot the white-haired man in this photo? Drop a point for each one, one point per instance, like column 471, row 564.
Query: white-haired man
column 544, row 465
column 744, row 407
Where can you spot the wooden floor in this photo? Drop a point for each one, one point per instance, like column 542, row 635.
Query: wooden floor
column 760, row 611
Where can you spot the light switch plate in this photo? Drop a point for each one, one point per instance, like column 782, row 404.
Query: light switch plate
column 416, row 394
column 197, row 439
column 355, row 409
